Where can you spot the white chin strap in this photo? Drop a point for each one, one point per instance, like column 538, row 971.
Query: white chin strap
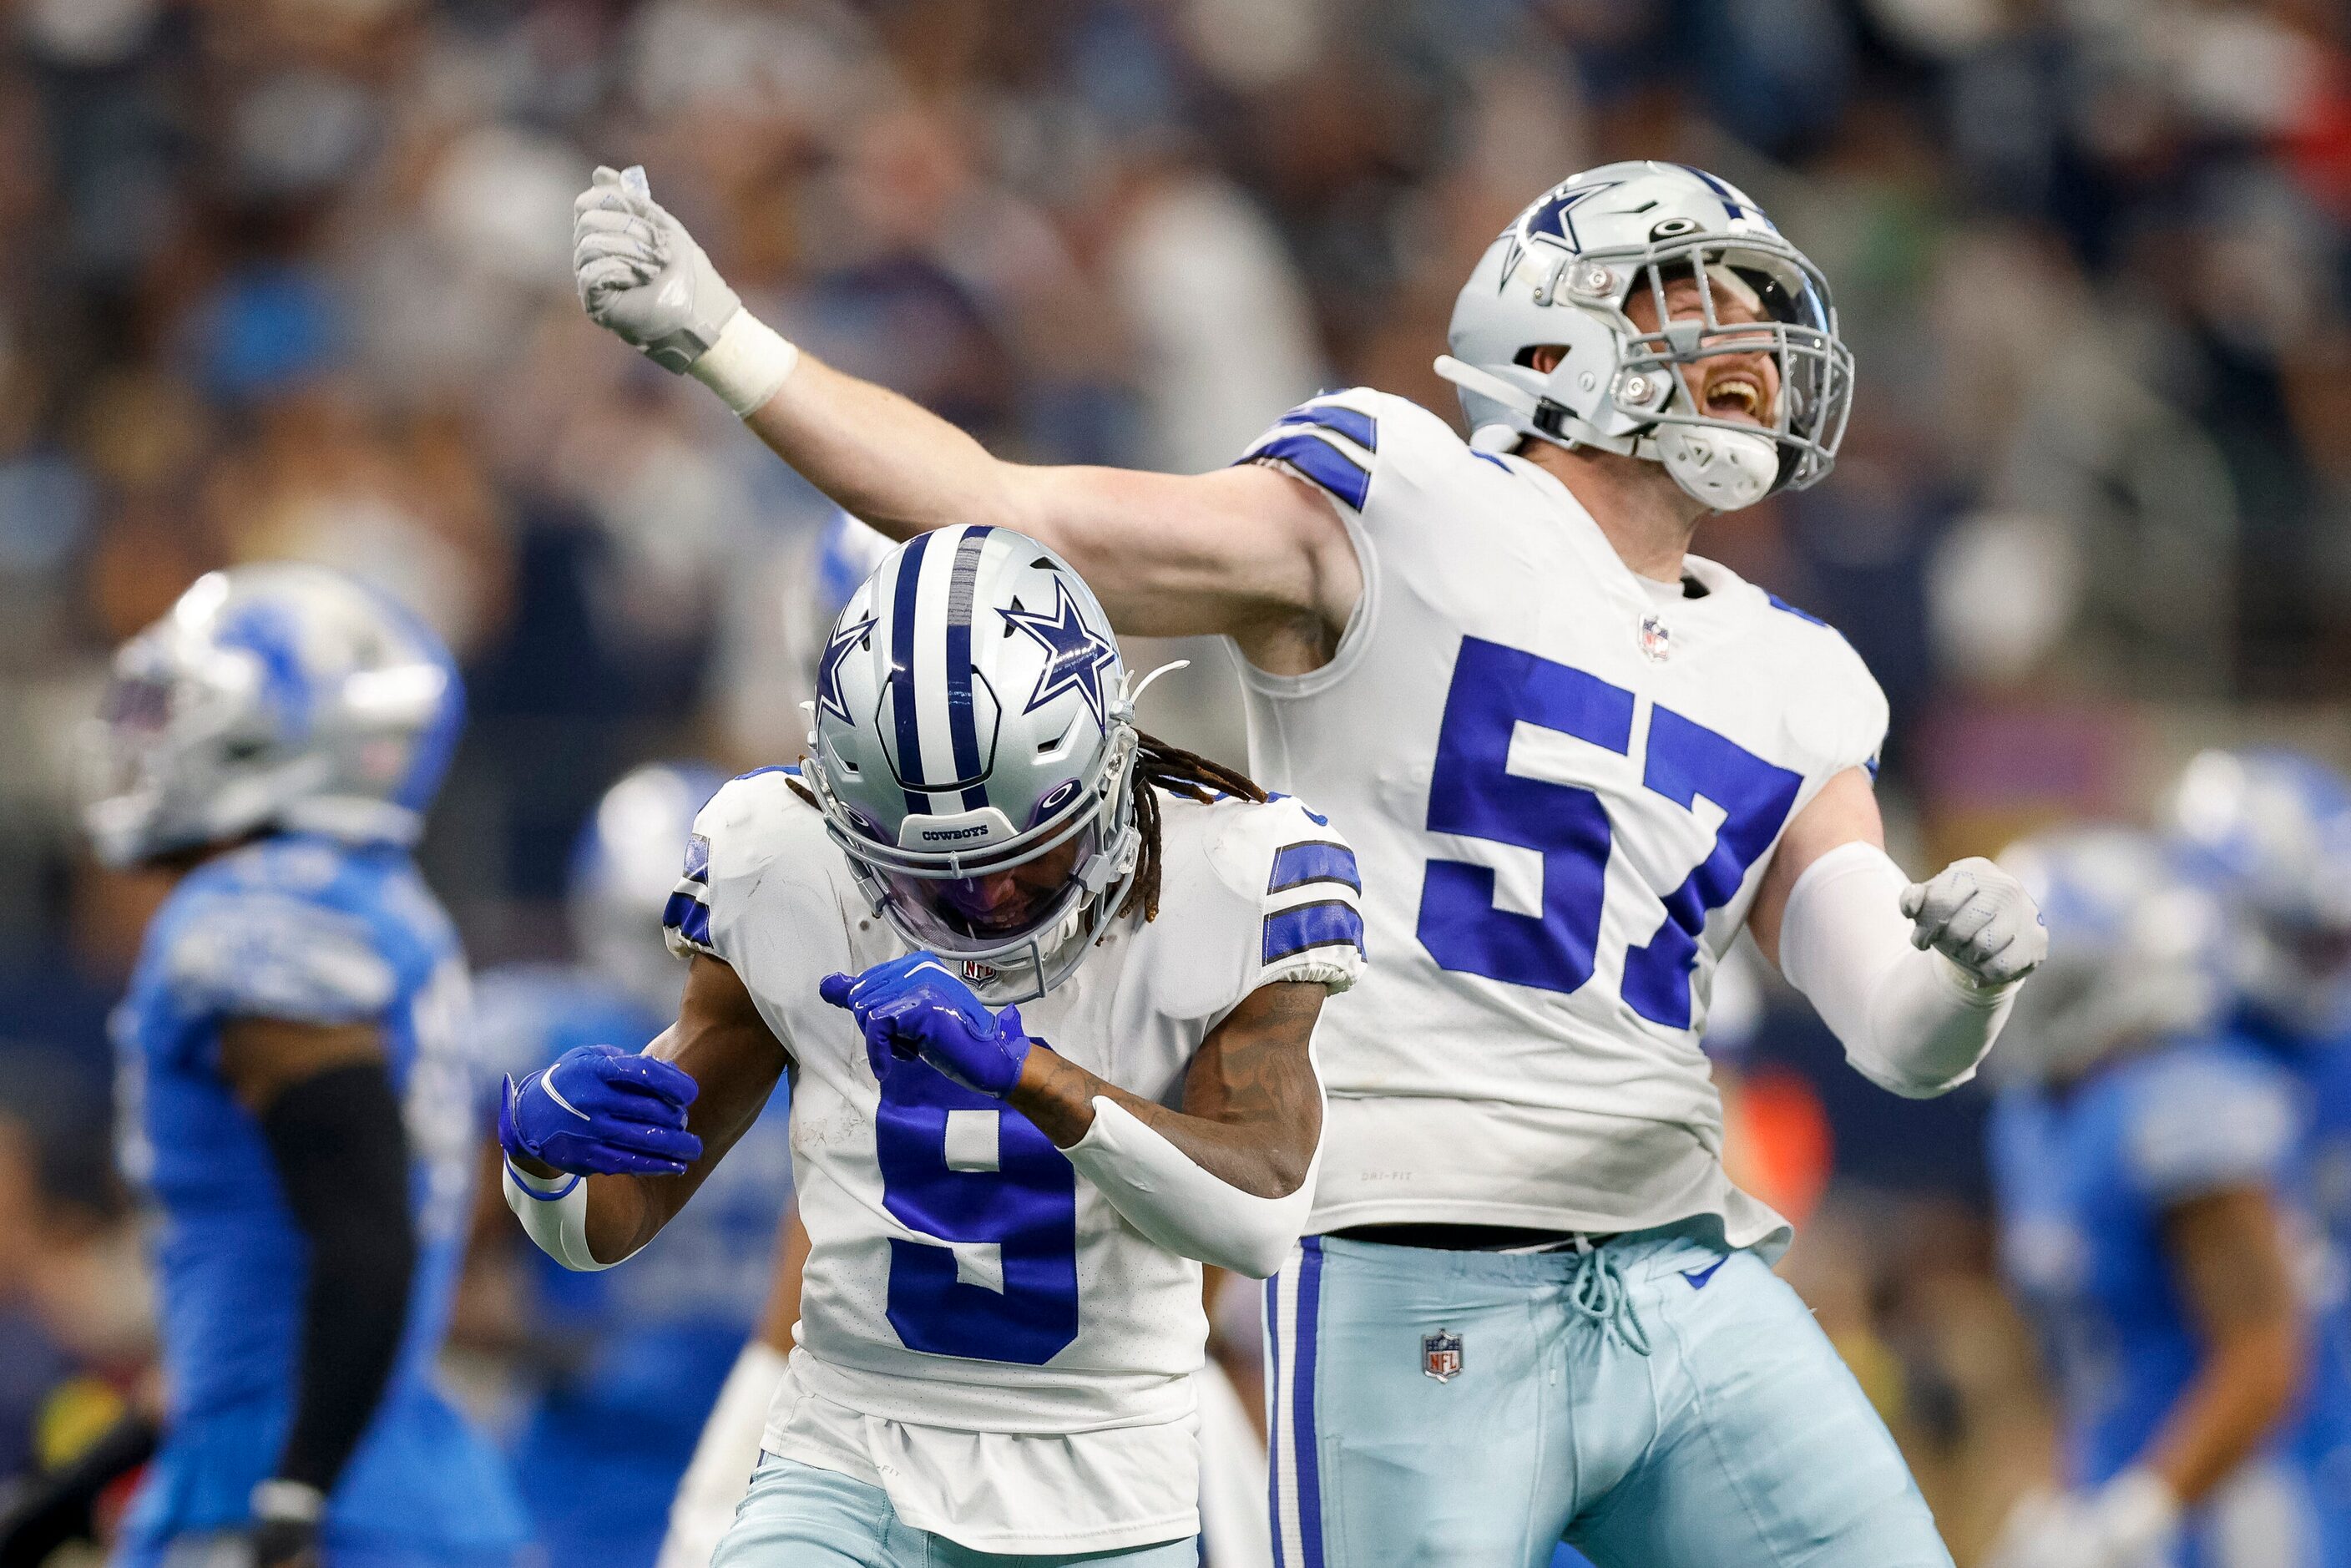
column 1727, row 469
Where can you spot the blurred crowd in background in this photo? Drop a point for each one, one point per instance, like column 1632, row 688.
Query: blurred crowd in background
column 290, row 277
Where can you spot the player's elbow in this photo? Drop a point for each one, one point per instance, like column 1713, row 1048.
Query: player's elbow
column 1258, row 1254
column 1909, row 1085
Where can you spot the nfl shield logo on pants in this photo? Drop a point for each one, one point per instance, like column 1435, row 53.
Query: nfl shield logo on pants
column 1440, row 1356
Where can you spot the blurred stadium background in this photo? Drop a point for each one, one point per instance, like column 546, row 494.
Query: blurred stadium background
column 289, row 277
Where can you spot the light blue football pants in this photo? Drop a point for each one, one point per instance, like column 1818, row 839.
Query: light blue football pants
column 1657, row 1403
column 797, row 1516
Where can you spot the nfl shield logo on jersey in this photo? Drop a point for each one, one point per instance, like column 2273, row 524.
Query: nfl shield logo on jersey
column 1440, row 1356
column 1657, row 639
column 976, row 973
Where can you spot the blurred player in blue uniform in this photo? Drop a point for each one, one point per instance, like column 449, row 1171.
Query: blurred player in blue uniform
column 634, row 1357
column 2271, row 833
column 297, row 1103
column 2145, row 1169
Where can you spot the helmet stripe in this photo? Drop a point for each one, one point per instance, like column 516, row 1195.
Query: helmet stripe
column 962, row 723
column 903, row 710
column 933, row 617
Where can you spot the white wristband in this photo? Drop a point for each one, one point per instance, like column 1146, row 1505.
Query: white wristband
column 1157, row 1188
column 747, row 365
column 554, row 1214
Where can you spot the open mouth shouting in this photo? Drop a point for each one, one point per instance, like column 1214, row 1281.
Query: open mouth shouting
column 1735, row 392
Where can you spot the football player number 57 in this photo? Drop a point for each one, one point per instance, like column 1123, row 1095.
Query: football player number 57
column 1472, row 793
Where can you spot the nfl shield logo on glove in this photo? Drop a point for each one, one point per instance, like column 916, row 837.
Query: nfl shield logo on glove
column 1440, row 1356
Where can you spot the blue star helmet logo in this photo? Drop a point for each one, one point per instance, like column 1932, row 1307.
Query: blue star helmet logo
column 1552, row 218
column 1076, row 655
column 829, row 699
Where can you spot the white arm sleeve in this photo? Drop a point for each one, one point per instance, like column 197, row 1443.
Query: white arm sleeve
column 1159, row 1190
column 554, row 1214
column 722, row 1459
column 1911, row 1022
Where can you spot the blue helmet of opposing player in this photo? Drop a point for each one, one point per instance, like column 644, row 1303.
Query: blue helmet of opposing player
column 277, row 696
column 2271, row 830
column 1569, row 273
column 972, row 751
column 624, row 869
column 2133, row 951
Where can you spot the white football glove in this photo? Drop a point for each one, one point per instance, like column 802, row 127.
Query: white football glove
column 1980, row 918
column 641, row 275
column 2132, row 1522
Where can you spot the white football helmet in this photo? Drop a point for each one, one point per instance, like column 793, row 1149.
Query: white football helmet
column 277, row 696
column 623, row 870
column 2133, row 951
column 972, row 717
column 2271, row 831
column 1562, row 276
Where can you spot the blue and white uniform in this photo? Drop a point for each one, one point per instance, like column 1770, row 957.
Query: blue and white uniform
column 1566, row 782
column 2083, row 1177
column 990, row 1359
column 311, row 930
column 640, row 1352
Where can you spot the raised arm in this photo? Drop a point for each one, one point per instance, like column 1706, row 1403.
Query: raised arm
column 605, row 1146
column 1228, row 1180
column 1249, row 551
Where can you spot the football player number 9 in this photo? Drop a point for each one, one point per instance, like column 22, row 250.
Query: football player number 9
column 1001, row 1283
column 1472, row 793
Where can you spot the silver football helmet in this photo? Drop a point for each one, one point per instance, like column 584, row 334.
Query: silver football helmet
column 1564, row 274
column 2135, row 949
column 624, row 869
column 274, row 696
column 973, row 745
column 2271, row 831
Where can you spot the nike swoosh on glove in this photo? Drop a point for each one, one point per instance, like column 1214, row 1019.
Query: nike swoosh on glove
column 641, row 275
column 1980, row 918
column 601, row 1111
column 915, row 1006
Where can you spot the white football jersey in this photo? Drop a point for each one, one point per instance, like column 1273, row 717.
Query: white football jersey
column 980, row 1333
column 1565, row 781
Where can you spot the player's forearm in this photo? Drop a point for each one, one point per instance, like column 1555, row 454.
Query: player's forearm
column 1221, row 1193
column 2238, row 1400
column 1263, row 1161
column 1911, row 1022
column 885, row 458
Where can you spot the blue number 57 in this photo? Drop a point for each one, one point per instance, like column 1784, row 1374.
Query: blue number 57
column 1472, row 793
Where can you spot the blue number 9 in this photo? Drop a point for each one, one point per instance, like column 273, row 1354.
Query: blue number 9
column 945, row 1175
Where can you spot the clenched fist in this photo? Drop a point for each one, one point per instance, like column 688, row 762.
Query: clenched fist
column 1980, row 918
column 641, row 275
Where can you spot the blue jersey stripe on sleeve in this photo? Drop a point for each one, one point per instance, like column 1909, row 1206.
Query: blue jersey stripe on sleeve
column 1314, row 456
column 1780, row 603
column 1295, row 865
column 1331, row 923
column 689, row 918
column 1354, row 424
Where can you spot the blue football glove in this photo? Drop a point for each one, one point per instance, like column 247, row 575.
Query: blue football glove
column 601, row 1111
column 916, row 1007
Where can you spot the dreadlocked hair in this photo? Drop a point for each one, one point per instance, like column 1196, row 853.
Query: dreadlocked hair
column 1159, row 765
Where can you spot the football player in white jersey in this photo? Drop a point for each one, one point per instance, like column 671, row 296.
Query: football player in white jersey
column 995, row 934
column 1576, row 759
